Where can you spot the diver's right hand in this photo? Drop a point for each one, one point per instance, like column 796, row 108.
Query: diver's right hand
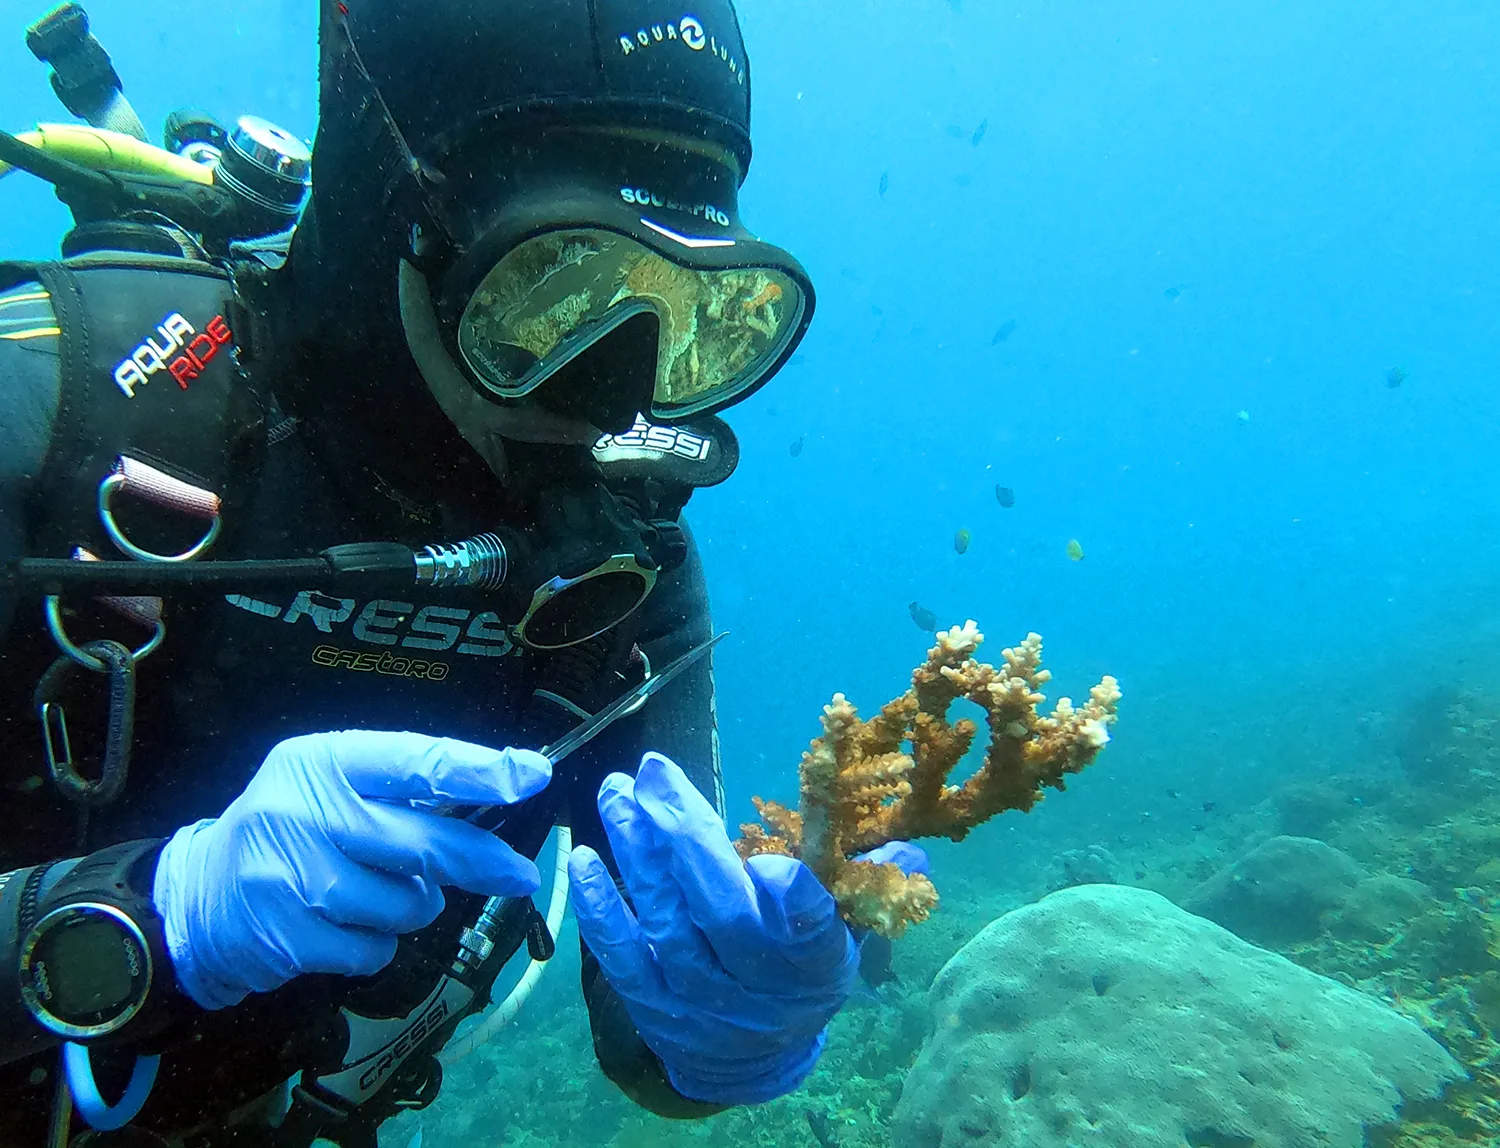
column 324, row 859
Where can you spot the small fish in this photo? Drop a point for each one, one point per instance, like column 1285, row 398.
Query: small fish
column 1002, row 332
column 1243, row 416
column 1395, row 377
column 1209, row 806
column 1075, row 550
column 961, row 540
column 885, row 183
column 978, row 136
column 875, row 960
column 923, row 617
column 1174, row 793
column 796, row 448
column 1172, row 293
column 1005, row 496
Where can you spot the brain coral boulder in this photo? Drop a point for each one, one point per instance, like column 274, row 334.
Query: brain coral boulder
column 1106, row 1015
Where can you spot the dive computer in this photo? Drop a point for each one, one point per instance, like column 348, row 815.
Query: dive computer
column 86, row 970
column 92, row 958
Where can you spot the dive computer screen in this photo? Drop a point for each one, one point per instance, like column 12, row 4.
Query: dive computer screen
column 85, row 970
column 98, row 975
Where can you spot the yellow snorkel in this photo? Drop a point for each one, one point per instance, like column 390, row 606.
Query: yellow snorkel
column 253, row 185
column 107, row 151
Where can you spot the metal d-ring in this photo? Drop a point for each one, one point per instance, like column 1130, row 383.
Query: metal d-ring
column 85, row 659
column 117, row 482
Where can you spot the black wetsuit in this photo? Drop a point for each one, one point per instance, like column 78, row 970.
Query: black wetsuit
column 236, row 675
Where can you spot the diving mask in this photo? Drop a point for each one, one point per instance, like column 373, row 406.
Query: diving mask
column 605, row 276
column 702, row 334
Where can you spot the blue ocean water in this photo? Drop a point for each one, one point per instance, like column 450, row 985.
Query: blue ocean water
column 1150, row 265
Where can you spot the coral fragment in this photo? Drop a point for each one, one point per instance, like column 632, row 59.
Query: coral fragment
column 866, row 783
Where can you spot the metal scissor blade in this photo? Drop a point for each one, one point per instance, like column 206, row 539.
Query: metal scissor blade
column 585, row 733
column 491, row 817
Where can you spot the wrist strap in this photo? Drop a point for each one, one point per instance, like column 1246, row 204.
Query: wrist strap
column 113, row 874
column 26, row 911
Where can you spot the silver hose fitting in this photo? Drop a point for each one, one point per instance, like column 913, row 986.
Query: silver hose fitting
column 480, row 562
column 477, row 942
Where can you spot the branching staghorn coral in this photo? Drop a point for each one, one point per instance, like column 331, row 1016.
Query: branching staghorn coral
column 861, row 789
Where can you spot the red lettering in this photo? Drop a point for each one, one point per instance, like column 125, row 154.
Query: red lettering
column 219, row 330
column 182, row 370
column 204, row 353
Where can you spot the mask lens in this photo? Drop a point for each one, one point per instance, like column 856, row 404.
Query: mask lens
column 556, row 295
column 721, row 330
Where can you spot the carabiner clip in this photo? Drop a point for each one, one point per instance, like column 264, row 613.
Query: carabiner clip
column 119, row 663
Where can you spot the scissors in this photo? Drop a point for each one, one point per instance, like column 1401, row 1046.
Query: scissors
column 491, row 817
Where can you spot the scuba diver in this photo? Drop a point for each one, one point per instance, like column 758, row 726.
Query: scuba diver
column 331, row 521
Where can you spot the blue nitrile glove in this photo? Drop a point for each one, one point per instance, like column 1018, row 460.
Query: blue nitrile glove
column 911, row 858
column 730, row 971
column 325, row 858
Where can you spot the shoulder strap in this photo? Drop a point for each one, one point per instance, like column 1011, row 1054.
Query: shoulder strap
column 150, row 371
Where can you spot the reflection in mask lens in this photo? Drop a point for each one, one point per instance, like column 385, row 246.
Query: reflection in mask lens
column 556, row 294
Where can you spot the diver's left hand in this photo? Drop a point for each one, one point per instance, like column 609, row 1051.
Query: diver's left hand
column 730, row 971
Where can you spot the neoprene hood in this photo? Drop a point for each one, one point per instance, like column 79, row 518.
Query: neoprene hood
column 446, row 68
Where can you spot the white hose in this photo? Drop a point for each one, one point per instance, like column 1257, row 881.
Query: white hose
column 502, row 1014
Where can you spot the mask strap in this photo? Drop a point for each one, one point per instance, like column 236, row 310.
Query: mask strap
column 427, row 196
